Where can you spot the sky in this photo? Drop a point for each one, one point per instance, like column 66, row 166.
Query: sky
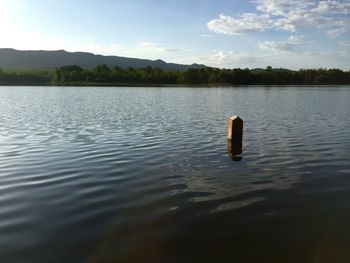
column 220, row 33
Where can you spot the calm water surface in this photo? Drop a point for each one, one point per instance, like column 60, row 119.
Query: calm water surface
column 143, row 175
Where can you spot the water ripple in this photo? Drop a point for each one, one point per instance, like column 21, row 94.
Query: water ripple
column 127, row 172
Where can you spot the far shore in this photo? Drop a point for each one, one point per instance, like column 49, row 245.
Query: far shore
column 150, row 85
column 102, row 75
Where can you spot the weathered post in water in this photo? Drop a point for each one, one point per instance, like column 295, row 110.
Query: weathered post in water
column 235, row 129
column 234, row 135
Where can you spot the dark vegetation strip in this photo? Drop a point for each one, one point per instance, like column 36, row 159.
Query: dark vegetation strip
column 105, row 76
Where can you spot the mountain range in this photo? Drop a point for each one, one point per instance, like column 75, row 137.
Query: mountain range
column 41, row 59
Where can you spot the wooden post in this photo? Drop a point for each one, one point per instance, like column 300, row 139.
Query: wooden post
column 235, row 129
column 235, row 137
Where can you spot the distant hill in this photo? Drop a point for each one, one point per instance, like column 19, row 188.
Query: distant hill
column 18, row 59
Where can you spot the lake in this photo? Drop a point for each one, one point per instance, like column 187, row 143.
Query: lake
column 114, row 174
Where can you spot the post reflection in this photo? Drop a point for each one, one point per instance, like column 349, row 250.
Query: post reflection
column 234, row 149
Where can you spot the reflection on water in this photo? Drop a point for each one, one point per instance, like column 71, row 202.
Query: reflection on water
column 142, row 174
column 234, row 149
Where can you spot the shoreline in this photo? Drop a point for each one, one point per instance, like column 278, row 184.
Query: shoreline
column 146, row 85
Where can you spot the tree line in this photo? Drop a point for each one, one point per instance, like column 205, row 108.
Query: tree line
column 104, row 75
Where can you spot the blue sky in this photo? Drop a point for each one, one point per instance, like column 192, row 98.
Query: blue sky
column 222, row 33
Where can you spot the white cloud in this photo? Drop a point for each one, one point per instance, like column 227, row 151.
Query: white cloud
column 231, row 57
column 336, row 32
column 296, row 38
column 277, row 46
column 247, row 22
column 328, row 15
column 275, row 58
column 221, row 59
column 326, row 59
column 151, row 46
column 290, row 45
column 283, row 8
column 292, row 54
column 344, row 43
column 308, row 59
column 206, row 35
column 146, row 44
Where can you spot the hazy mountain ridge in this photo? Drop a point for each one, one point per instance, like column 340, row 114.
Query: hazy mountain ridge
column 41, row 59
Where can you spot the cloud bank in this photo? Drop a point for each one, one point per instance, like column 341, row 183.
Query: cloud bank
column 328, row 15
